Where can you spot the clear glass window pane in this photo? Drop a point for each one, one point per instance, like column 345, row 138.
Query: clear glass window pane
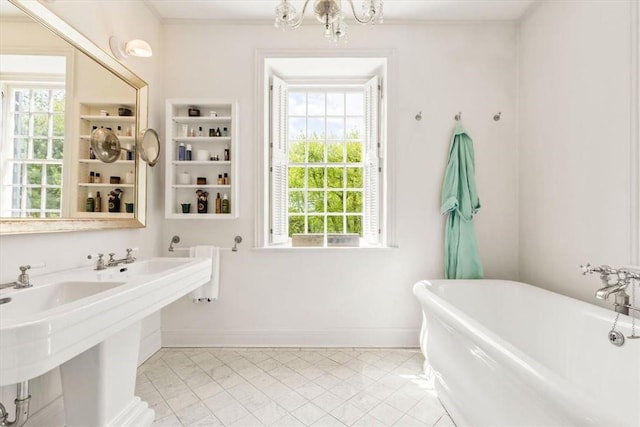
column 354, row 152
column 34, row 195
column 57, row 149
column 315, row 203
column 297, row 151
column 315, row 224
column 54, row 174
column 22, row 100
column 335, row 104
column 355, row 104
column 296, row 177
column 34, row 174
column 297, row 128
column 316, row 152
column 335, row 224
column 40, row 100
column 354, row 225
column 296, row 225
column 315, row 129
column 315, row 177
column 296, row 201
column 354, row 201
column 40, row 124
column 19, row 148
column 354, row 128
column 335, row 201
column 58, row 100
column 335, row 128
column 316, row 104
column 335, row 177
column 58, row 125
column 39, row 148
column 354, row 177
column 335, row 152
column 21, row 125
column 297, row 103
column 53, row 198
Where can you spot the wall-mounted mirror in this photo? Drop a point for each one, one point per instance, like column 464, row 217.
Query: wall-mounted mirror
column 58, row 88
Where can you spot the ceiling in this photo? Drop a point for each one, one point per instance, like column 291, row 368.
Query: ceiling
column 254, row 11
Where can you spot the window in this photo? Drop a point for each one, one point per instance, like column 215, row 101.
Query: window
column 33, row 126
column 324, row 166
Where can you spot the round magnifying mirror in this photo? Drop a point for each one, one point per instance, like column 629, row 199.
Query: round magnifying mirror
column 149, row 147
column 105, row 145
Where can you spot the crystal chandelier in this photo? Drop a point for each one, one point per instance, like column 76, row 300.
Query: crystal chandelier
column 329, row 13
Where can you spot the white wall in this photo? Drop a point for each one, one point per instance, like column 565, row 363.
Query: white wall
column 353, row 297
column 66, row 250
column 575, row 95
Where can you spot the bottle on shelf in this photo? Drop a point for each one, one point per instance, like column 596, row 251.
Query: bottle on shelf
column 98, row 203
column 218, row 133
column 225, row 132
column 218, row 204
column 92, row 177
column 189, row 152
column 129, row 152
column 97, row 179
column 91, row 203
column 225, row 179
column 227, row 153
column 182, row 151
column 200, row 131
column 220, row 180
column 119, row 131
column 225, row 204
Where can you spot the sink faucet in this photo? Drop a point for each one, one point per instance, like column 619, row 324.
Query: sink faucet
column 126, row 260
column 23, row 278
column 615, row 282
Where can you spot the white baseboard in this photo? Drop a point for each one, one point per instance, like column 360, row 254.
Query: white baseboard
column 149, row 345
column 366, row 337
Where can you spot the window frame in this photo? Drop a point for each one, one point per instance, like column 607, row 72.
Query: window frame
column 9, row 87
column 282, row 61
column 327, row 88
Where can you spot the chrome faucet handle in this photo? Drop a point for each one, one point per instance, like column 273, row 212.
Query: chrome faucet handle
column 99, row 263
column 112, row 256
column 23, row 278
column 130, row 258
column 586, row 269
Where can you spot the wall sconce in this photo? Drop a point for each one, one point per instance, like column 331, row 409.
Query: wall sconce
column 135, row 47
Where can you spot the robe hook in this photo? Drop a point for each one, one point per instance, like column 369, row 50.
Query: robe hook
column 458, row 116
column 496, row 118
column 419, row 116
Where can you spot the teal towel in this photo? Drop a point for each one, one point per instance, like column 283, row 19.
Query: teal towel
column 460, row 201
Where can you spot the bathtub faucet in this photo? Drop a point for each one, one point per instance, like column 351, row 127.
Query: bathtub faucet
column 615, row 281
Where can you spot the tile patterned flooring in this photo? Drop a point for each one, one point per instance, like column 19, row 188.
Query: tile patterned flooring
column 289, row 387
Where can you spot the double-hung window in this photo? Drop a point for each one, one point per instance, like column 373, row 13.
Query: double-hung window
column 33, row 129
column 324, row 167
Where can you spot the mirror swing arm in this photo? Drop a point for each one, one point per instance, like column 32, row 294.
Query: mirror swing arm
column 59, row 27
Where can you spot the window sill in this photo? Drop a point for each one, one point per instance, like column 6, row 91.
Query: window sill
column 325, row 249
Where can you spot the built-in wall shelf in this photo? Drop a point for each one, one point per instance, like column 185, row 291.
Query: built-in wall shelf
column 212, row 143
column 87, row 166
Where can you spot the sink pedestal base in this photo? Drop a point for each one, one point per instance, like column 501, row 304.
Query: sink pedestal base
column 98, row 385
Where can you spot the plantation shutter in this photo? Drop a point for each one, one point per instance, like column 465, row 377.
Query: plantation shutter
column 371, row 221
column 279, row 161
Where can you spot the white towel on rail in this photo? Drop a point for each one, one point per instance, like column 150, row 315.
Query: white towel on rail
column 209, row 291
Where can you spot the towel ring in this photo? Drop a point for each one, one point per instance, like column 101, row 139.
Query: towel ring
column 496, row 117
column 419, row 116
column 458, row 116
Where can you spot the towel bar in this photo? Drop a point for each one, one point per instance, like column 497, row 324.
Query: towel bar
column 176, row 239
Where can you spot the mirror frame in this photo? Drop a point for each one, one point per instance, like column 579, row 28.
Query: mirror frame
column 58, row 26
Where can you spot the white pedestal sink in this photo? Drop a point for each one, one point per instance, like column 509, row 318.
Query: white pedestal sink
column 88, row 323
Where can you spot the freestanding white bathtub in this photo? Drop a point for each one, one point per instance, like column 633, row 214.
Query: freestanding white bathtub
column 510, row 354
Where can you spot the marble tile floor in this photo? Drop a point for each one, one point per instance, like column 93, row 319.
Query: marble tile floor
column 289, row 387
